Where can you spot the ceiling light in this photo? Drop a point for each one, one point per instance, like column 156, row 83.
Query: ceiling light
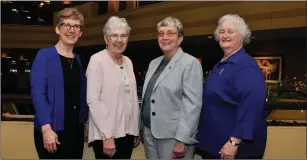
column 66, row 2
column 28, row 17
column 14, row 10
column 3, row 54
column 41, row 4
column 209, row 37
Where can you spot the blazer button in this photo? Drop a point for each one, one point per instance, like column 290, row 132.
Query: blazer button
column 152, row 101
column 153, row 113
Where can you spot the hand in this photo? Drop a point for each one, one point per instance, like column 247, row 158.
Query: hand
column 50, row 138
column 228, row 151
column 136, row 141
column 178, row 151
column 109, row 147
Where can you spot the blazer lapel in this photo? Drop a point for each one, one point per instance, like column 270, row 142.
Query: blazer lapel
column 169, row 68
column 150, row 73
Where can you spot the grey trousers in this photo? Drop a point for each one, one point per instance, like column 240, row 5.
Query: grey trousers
column 162, row 148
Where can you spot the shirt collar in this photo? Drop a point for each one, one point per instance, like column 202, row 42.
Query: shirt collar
column 236, row 56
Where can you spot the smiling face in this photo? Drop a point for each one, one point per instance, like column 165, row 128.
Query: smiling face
column 168, row 39
column 117, row 41
column 229, row 37
column 69, row 31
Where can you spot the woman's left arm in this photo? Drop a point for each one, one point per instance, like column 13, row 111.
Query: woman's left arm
column 249, row 88
column 192, row 81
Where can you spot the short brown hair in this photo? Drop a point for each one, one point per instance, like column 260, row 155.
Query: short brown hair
column 69, row 13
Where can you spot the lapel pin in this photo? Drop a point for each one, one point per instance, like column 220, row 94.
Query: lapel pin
column 221, row 71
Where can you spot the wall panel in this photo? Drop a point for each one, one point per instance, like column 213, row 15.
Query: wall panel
column 198, row 18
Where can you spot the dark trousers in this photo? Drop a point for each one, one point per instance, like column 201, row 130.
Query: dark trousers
column 205, row 155
column 124, row 147
column 71, row 146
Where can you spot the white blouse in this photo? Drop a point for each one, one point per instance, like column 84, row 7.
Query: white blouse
column 126, row 84
column 125, row 79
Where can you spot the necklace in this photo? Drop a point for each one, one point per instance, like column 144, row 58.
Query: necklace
column 71, row 62
column 118, row 61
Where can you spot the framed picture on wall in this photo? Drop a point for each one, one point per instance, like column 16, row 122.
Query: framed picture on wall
column 271, row 68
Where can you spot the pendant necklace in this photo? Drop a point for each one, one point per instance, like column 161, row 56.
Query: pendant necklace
column 71, row 63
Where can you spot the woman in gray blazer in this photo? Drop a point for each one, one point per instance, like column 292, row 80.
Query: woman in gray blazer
column 172, row 97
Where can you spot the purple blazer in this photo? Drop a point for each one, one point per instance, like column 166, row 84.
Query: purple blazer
column 47, row 90
column 233, row 106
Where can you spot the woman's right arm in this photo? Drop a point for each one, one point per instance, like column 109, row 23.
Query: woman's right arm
column 97, row 108
column 38, row 81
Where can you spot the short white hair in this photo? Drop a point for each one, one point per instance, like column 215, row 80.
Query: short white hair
column 114, row 23
column 171, row 21
column 241, row 26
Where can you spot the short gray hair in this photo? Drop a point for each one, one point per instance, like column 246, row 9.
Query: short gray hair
column 114, row 23
column 171, row 21
column 241, row 26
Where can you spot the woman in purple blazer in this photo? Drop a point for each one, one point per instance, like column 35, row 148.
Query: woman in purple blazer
column 58, row 89
column 232, row 121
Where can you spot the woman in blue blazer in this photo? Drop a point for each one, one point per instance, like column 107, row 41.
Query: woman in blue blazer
column 58, row 89
column 233, row 122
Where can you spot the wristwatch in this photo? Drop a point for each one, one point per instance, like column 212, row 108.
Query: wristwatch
column 234, row 143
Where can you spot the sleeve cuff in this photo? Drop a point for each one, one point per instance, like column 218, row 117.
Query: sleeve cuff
column 105, row 136
column 185, row 139
column 44, row 122
column 243, row 134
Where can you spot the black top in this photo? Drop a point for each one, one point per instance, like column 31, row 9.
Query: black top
column 71, row 75
column 146, row 101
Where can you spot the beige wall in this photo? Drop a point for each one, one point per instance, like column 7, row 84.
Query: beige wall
column 197, row 17
column 17, row 143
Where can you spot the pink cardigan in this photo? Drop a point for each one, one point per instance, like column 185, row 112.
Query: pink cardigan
column 107, row 100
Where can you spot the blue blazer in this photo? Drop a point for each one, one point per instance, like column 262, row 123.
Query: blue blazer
column 47, row 90
column 233, row 106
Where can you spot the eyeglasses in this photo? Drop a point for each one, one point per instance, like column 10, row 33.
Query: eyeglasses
column 168, row 34
column 67, row 26
column 115, row 37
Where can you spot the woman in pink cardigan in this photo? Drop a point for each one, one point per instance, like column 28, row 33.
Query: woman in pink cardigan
column 112, row 96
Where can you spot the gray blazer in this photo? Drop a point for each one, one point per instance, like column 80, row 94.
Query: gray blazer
column 177, row 96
